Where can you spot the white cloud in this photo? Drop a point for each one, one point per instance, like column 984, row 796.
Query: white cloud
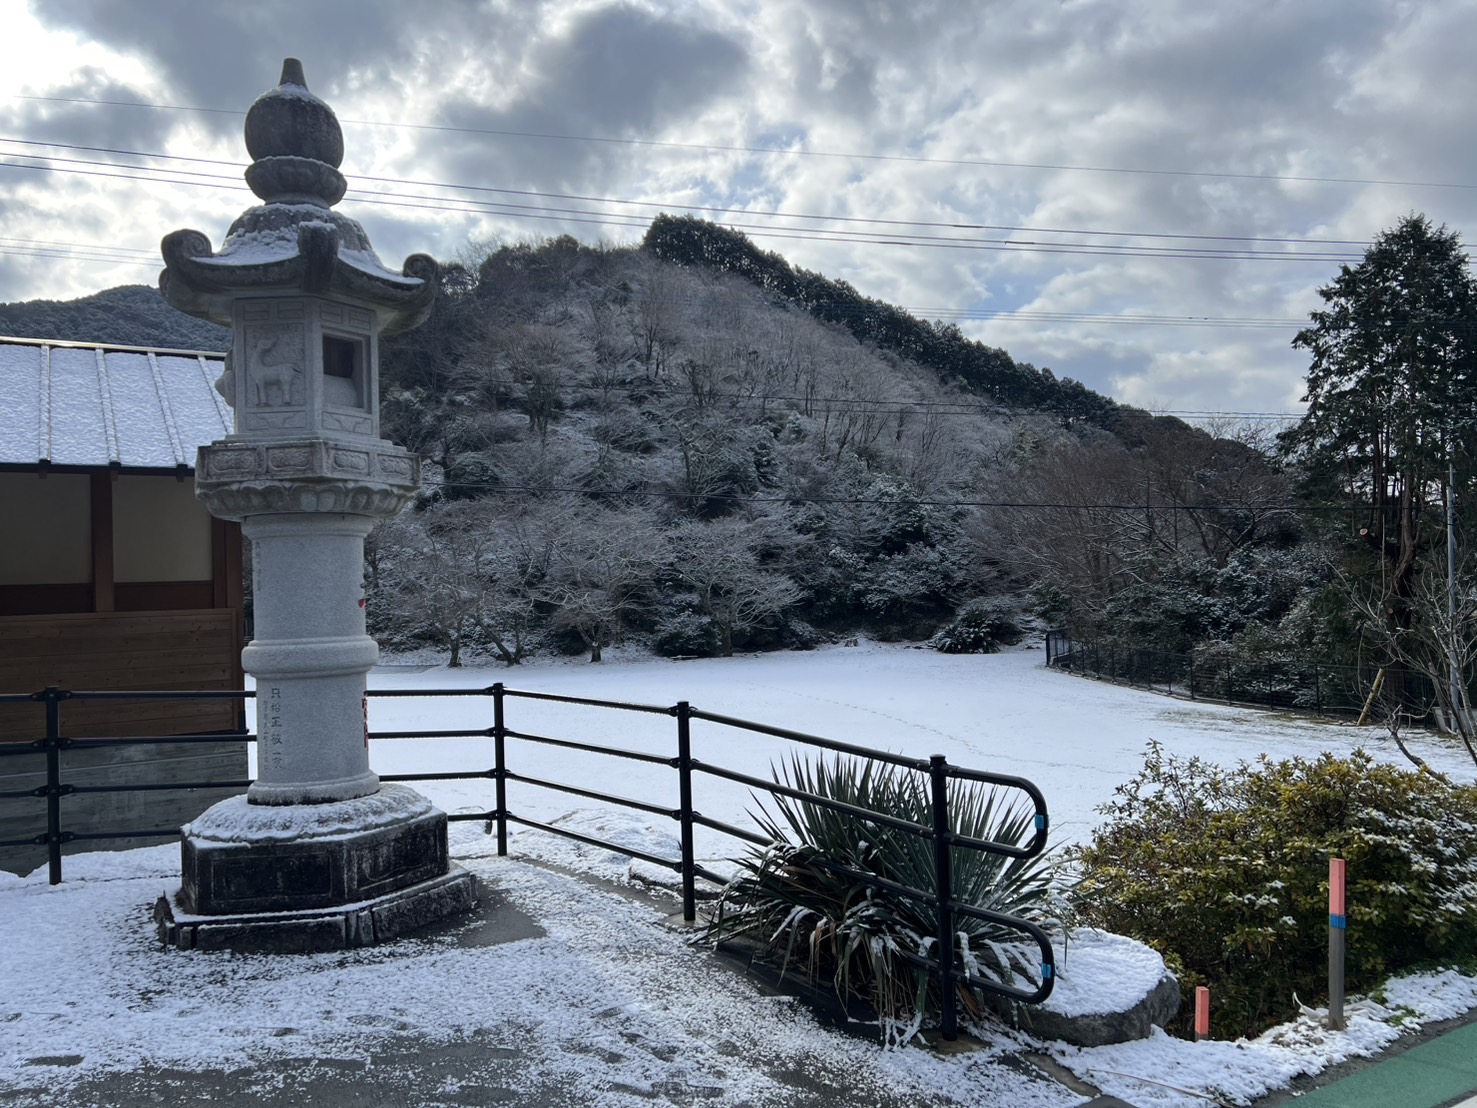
column 892, row 110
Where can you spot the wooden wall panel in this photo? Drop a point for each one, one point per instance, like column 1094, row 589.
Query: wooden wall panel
column 163, row 596
column 35, row 600
column 114, row 651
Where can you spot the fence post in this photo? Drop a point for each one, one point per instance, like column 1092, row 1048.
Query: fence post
column 684, row 792
column 943, row 876
column 1192, row 677
column 53, row 697
column 1336, row 927
column 500, row 767
column 1317, row 692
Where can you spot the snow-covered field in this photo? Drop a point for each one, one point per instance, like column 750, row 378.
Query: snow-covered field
column 1077, row 739
column 601, row 1000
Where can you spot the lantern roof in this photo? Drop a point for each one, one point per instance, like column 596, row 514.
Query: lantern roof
column 294, row 242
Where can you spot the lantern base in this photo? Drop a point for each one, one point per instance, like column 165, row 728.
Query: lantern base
column 313, row 876
column 343, row 927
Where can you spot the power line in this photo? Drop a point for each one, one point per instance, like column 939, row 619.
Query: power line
column 792, row 153
column 77, row 256
column 512, row 209
column 1044, row 316
column 645, row 493
column 472, row 207
column 852, row 405
column 138, row 256
column 668, row 206
column 82, row 251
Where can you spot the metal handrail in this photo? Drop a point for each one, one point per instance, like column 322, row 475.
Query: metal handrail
column 54, row 743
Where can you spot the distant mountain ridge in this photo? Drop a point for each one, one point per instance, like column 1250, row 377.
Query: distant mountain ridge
column 985, row 370
column 129, row 315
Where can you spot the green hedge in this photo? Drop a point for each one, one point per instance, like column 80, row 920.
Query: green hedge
column 1225, row 873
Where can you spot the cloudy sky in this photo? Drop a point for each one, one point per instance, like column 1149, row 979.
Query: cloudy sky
column 1142, row 194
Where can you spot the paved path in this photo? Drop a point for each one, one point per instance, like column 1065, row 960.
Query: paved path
column 1438, row 1073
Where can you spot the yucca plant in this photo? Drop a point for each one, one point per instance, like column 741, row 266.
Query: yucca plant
column 788, row 897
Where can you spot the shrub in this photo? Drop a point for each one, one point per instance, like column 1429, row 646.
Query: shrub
column 799, row 635
column 1225, row 873
column 791, row 898
column 686, row 634
column 981, row 627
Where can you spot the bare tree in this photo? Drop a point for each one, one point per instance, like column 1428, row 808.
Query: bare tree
column 655, row 319
column 720, row 562
column 452, row 571
column 601, row 566
column 1439, row 645
column 1066, row 525
column 535, row 358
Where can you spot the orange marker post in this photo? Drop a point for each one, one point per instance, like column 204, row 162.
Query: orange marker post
column 1337, row 926
column 1202, row 1012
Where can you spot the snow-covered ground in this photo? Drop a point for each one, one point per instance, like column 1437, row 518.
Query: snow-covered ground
column 601, row 997
column 1077, row 739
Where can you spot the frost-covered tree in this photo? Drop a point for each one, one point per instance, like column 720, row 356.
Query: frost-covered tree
column 455, row 575
column 602, row 564
column 721, row 563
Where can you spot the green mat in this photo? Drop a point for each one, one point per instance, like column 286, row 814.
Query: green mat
column 1432, row 1074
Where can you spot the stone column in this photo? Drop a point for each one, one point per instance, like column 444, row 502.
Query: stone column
column 309, row 657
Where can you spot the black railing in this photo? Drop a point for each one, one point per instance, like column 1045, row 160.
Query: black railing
column 941, row 897
column 1283, row 683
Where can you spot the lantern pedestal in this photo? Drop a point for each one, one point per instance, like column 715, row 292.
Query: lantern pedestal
column 313, row 877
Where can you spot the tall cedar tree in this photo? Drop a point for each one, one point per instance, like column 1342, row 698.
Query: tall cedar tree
column 1391, row 393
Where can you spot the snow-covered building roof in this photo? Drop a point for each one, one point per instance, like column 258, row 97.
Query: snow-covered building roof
column 75, row 404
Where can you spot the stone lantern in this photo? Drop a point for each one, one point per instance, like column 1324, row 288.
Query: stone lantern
column 318, row 854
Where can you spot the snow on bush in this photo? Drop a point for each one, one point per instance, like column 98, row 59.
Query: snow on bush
column 1225, row 872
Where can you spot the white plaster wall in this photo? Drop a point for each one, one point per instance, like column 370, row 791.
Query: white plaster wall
column 49, row 525
column 160, row 531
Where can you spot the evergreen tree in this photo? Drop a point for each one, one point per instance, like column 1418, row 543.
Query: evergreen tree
column 1390, row 393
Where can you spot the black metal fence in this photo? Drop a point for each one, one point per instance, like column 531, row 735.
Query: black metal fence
column 54, row 744
column 1267, row 683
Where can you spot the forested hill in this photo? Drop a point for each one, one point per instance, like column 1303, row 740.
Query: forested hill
column 129, row 315
column 136, row 315
column 696, row 446
column 986, row 370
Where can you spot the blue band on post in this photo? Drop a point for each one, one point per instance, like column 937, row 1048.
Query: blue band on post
column 1045, row 972
column 1336, row 921
column 1040, row 821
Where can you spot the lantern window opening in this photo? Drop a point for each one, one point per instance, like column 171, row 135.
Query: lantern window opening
column 343, row 371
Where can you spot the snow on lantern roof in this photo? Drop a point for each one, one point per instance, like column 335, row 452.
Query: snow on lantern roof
column 77, row 404
column 294, row 243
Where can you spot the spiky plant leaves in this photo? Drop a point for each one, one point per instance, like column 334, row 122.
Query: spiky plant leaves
column 795, row 897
